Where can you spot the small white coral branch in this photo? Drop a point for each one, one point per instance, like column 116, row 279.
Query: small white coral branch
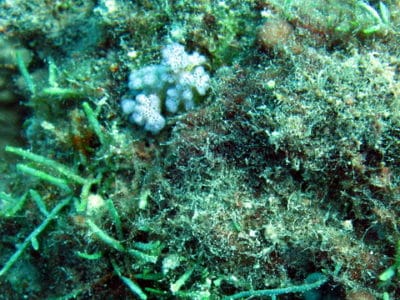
column 171, row 85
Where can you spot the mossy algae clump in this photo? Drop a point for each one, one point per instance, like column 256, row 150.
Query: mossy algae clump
column 282, row 182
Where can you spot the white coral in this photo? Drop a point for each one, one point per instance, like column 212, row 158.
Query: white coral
column 173, row 84
column 144, row 111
